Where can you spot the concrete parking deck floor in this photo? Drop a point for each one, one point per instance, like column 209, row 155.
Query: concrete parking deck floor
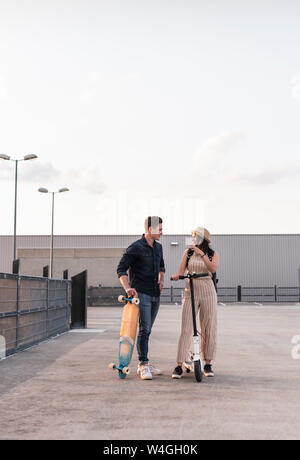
column 63, row 389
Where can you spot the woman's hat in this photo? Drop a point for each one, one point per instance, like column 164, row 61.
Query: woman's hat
column 203, row 233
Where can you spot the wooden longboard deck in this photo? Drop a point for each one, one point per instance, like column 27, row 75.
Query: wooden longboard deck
column 129, row 320
column 128, row 330
column 128, row 333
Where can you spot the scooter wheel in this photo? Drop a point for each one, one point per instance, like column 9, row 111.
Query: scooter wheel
column 198, row 371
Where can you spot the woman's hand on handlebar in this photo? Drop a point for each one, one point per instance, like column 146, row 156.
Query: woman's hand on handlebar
column 175, row 277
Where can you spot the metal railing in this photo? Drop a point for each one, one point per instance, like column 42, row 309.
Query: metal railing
column 31, row 310
column 102, row 296
column 268, row 294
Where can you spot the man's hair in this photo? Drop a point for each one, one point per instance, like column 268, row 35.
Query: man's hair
column 152, row 221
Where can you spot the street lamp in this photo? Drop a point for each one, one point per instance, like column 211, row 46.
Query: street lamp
column 16, row 160
column 44, row 190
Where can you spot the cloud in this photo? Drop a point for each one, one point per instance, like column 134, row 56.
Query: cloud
column 37, row 170
column 216, row 148
column 264, row 177
column 29, row 171
column 5, row 173
column 88, row 179
column 46, row 175
column 3, row 89
column 214, row 165
column 296, row 87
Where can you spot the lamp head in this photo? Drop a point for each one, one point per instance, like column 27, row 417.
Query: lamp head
column 4, row 157
column 30, row 157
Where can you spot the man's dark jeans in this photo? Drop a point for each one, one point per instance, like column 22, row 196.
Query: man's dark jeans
column 148, row 310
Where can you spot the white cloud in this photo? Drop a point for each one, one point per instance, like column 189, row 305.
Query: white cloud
column 38, row 171
column 264, row 177
column 216, row 148
column 30, row 171
column 88, row 180
column 3, row 89
column 46, row 175
column 5, row 173
column 296, row 87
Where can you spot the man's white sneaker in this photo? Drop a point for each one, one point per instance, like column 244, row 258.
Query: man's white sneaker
column 154, row 370
column 138, row 371
column 144, row 372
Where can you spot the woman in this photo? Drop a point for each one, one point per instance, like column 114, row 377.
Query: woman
column 200, row 258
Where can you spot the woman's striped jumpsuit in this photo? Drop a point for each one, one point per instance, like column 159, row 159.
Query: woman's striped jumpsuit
column 205, row 301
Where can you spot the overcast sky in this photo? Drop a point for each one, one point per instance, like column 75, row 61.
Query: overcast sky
column 185, row 109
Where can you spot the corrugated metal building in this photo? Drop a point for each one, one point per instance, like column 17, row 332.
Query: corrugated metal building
column 247, row 260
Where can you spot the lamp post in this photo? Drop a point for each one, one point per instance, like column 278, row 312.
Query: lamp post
column 16, row 160
column 44, row 190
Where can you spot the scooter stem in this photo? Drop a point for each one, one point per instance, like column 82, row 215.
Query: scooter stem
column 193, row 307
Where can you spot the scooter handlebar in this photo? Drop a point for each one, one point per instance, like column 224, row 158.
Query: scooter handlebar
column 180, row 277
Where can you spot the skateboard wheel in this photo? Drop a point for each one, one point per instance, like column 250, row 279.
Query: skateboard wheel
column 136, row 301
column 121, row 298
column 126, row 370
column 111, row 365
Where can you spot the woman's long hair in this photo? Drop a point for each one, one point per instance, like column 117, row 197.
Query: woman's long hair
column 204, row 246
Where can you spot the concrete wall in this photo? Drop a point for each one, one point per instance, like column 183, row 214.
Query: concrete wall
column 100, row 263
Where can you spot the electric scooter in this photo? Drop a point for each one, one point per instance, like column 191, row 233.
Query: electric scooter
column 198, row 366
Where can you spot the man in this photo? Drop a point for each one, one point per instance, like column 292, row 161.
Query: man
column 144, row 259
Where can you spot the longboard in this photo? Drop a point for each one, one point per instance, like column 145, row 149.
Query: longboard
column 128, row 329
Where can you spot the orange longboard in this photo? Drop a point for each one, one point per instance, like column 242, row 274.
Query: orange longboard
column 128, row 329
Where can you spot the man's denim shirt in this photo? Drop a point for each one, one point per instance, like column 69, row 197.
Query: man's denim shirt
column 144, row 264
